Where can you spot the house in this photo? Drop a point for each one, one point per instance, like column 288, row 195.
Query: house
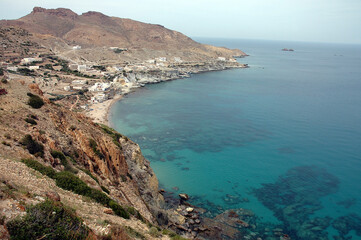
column 100, row 87
column 82, row 68
column 30, row 60
column 14, row 69
column 79, row 87
column 161, row 59
column 33, row 67
column 177, row 60
column 151, row 61
column 77, row 47
column 79, row 82
column 98, row 98
column 67, row 88
column 221, row 59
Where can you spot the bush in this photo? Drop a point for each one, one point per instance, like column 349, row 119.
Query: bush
column 63, row 160
column 94, row 146
column 48, row 171
column 114, row 134
column 31, row 121
column 90, row 174
column 1, row 71
column 105, row 189
column 35, row 101
column 69, row 181
column 118, row 210
column 33, row 146
column 47, row 220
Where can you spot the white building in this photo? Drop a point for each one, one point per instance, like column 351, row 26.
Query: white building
column 100, row 87
column 12, row 69
column 151, row 61
column 161, row 59
column 79, row 82
column 82, row 68
column 77, row 47
column 30, row 60
column 98, row 98
column 33, row 67
column 177, row 60
column 79, row 87
column 67, row 88
column 221, row 59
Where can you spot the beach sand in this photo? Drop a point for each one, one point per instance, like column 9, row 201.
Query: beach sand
column 100, row 111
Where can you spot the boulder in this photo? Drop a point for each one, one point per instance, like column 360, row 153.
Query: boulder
column 184, row 196
column 54, row 196
column 108, row 211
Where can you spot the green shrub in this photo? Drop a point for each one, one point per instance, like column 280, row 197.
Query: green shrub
column 114, row 134
column 49, row 66
column 133, row 233
column 48, row 171
column 94, row 146
column 90, row 174
column 47, row 220
column 154, row 232
column 69, row 181
column 105, row 189
column 118, row 210
column 63, row 160
column 31, row 121
column 1, row 71
column 33, row 146
column 35, row 101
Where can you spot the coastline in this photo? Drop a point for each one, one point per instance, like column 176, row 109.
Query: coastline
column 100, row 111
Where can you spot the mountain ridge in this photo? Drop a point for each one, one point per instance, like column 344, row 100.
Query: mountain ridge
column 94, row 29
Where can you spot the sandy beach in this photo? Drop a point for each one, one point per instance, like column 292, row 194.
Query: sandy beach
column 99, row 111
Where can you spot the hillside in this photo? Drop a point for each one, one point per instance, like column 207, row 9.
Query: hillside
column 61, row 28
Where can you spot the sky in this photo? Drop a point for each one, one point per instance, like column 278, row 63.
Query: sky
column 337, row 21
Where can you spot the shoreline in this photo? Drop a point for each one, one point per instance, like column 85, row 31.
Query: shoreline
column 102, row 110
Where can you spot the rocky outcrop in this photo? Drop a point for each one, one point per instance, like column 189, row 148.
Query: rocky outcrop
column 117, row 164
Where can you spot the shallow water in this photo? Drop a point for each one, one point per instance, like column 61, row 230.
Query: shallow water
column 232, row 139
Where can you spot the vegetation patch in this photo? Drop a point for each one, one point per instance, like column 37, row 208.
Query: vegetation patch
column 48, row 220
column 94, row 146
column 63, row 160
column 35, row 101
column 90, row 174
column 32, row 146
column 31, row 121
column 48, row 171
column 114, row 134
column 68, row 181
column 105, row 189
column 133, row 233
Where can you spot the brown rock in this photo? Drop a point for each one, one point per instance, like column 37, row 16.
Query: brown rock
column 108, row 211
column 54, row 196
column 184, row 196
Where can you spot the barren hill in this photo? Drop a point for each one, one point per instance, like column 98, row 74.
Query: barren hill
column 94, row 29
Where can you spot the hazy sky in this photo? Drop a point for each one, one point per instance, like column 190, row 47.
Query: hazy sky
column 298, row 20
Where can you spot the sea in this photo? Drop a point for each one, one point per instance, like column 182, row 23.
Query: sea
column 281, row 138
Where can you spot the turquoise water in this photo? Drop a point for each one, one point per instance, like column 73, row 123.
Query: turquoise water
column 282, row 134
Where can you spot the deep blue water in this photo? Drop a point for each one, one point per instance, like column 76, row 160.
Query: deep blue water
column 284, row 133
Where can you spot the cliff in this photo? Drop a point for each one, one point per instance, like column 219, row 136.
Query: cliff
column 98, row 155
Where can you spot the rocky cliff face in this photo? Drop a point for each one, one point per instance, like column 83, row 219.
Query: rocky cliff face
column 115, row 161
